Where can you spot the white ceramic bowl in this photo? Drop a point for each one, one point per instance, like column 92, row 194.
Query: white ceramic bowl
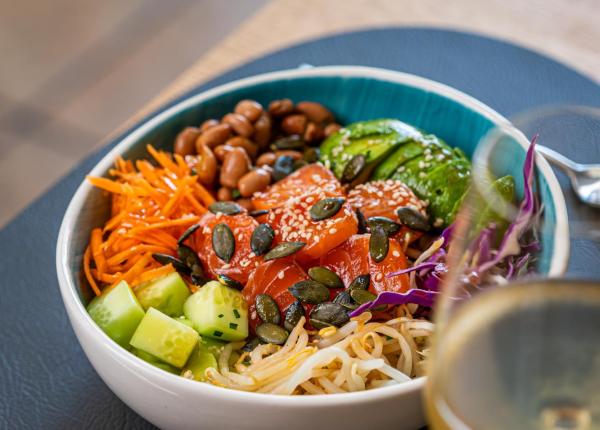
column 173, row 402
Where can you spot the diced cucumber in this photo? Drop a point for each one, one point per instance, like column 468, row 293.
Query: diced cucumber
column 203, row 357
column 149, row 358
column 183, row 320
column 117, row 312
column 166, row 294
column 218, row 311
column 165, row 338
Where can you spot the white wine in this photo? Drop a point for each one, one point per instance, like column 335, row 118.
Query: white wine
column 521, row 356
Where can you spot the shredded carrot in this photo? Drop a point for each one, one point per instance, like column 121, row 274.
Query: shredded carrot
column 152, row 203
column 88, row 272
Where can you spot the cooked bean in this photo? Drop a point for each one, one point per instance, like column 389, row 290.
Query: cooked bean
column 262, row 130
column 221, row 151
column 315, row 112
column 246, row 204
column 331, row 129
column 214, row 136
column 313, row 133
column 209, row 123
column 239, row 124
column 224, row 194
column 185, row 142
column 279, row 108
column 243, row 142
column 235, row 165
column 294, row 124
column 296, row 155
column 251, row 109
column 207, row 166
column 266, row 159
column 251, row 182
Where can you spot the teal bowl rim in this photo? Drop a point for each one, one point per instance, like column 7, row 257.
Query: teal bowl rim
column 76, row 309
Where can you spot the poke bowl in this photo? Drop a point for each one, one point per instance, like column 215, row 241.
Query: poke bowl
column 359, row 98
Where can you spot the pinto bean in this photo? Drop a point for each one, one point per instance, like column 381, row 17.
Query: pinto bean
column 296, row 155
column 224, row 194
column 214, row 136
column 262, row 130
column 294, row 124
column 246, row 204
column 243, row 142
column 207, row 165
column 239, row 124
column 266, row 159
column 221, row 151
column 185, row 142
column 315, row 112
column 235, row 165
column 331, row 129
column 251, row 182
column 250, row 109
column 279, row 108
column 313, row 133
column 209, row 123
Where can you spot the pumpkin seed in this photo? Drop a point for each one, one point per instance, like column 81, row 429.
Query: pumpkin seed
column 188, row 233
column 412, row 218
column 309, row 291
column 188, row 256
column 326, row 208
column 362, row 222
column 283, row 166
column 328, row 314
column 294, row 312
column 169, row 259
column 267, row 309
column 199, row 279
column 271, row 333
column 293, row 142
column 326, row 277
column 226, row 208
column 258, row 213
column 390, row 227
column 311, row 155
column 262, row 238
column 283, row 250
column 251, row 344
column 229, row 282
column 223, row 242
column 361, row 282
column 362, row 296
column 379, row 244
column 345, row 300
column 353, row 168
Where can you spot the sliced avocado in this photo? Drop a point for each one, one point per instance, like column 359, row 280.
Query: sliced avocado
column 165, row 338
column 117, row 312
column 374, row 139
column 504, row 188
column 167, row 294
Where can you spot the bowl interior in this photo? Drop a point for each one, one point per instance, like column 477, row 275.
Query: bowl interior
column 351, row 98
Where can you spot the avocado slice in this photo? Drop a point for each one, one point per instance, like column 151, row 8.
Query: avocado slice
column 504, row 187
column 374, row 139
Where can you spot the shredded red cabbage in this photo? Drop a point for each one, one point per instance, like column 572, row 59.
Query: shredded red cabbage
column 513, row 256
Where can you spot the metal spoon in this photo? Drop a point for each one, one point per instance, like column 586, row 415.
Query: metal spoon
column 585, row 178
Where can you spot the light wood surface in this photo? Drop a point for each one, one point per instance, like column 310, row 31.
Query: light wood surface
column 566, row 30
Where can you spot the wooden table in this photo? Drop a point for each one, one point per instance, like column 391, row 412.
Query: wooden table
column 566, row 30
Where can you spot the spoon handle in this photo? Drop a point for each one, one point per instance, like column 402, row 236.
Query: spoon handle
column 558, row 159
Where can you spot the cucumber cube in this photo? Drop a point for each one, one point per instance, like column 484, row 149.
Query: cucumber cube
column 218, row 311
column 165, row 338
column 166, row 294
column 201, row 359
column 117, row 312
column 149, row 358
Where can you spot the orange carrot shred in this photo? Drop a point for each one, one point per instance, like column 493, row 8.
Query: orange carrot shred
column 88, row 273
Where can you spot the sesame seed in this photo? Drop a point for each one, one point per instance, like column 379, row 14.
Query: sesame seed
column 395, row 253
column 332, row 230
column 281, row 275
column 379, row 277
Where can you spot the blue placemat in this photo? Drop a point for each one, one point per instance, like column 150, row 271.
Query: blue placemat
column 45, row 379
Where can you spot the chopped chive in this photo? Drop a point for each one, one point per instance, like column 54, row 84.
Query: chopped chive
column 236, row 313
column 218, row 333
column 220, row 315
column 233, row 326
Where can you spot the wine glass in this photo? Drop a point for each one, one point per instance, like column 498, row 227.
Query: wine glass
column 514, row 348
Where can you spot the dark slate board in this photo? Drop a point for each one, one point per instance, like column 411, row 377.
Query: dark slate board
column 47, row 382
